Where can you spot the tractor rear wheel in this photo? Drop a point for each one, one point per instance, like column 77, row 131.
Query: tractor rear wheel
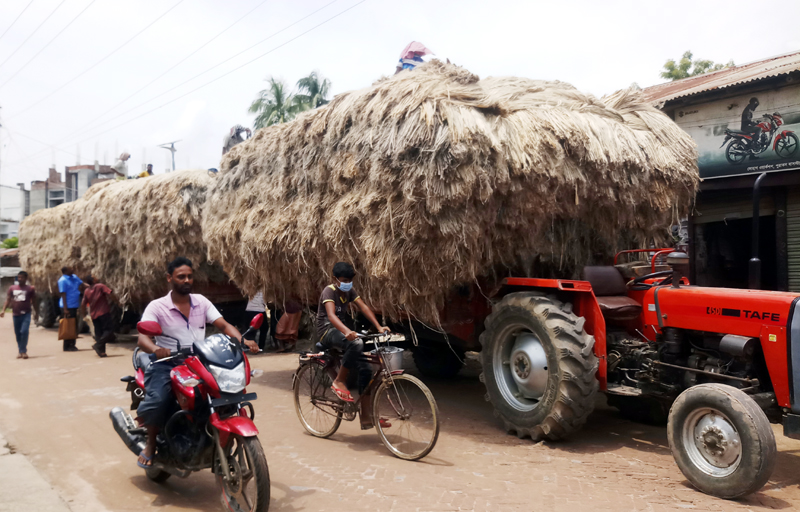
column 538, row 366
column 721, row 440
column 47, row 311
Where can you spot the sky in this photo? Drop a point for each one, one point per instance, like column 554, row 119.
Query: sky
column 85, row 80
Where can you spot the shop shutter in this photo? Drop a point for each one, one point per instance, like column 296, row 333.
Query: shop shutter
column 732, row 205
column 793, row 237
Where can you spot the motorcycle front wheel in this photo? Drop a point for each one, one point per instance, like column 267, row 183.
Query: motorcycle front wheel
column 786, row 147
column 248, row 489
column 736, row 152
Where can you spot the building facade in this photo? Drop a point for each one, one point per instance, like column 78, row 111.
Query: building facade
column 746, row 122
column 77, row 180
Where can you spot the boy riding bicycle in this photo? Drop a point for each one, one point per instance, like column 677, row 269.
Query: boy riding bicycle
column 332, row 318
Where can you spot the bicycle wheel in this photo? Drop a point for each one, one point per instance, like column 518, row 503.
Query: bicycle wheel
column 409, row 410
column 316, row 405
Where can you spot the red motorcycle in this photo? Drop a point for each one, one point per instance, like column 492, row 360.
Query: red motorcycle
column 743, row 144
column 211, row 424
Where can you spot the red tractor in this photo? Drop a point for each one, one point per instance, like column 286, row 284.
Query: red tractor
column 718, row 362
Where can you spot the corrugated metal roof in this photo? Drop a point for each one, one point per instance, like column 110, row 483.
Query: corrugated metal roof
column 774, row 66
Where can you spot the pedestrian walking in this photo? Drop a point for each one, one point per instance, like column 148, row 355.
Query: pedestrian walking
column 96, row 297
column 69, row 287
column 255, row 306
column 21, row 297
column 288, row 326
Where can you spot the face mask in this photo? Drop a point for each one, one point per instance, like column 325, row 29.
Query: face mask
column 345, row 287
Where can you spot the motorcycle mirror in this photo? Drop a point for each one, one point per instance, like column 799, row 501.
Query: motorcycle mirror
column 149, row 328
column 257, row 320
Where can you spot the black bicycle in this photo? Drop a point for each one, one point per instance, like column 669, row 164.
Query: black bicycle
column 404, row 411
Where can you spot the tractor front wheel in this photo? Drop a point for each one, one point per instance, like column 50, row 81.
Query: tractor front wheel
column 538, row 366
column 721, row 440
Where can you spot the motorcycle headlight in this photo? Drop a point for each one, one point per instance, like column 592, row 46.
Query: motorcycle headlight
column 230, row 381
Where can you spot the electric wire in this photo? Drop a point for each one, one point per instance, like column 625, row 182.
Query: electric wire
column 48, row 44
column 15, row 20
column 209, row 82
column 32, row 33
column 84, row 129
column 228, row 72
column 99, row 61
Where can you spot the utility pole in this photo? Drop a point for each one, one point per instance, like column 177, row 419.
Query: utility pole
column 170, row 146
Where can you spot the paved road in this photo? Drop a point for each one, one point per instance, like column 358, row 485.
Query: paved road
column 54, row 409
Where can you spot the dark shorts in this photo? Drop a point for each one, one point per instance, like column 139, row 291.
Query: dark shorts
column 352, row 356
column 158, row 398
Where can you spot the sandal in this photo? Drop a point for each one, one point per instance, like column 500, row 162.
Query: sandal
column 344, row 396
column 148, row 460
column 19, row 356
column 24, row 355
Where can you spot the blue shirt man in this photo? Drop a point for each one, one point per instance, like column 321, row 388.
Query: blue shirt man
column 69, row 285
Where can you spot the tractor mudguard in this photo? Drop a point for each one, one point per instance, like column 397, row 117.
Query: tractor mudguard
column 584, row 304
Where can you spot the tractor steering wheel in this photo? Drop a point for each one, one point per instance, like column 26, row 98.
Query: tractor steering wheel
column 639, row 284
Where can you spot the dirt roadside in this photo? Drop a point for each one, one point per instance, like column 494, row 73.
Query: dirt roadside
column 55, row 411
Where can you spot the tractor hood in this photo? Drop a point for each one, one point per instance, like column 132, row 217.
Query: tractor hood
column 771, row 317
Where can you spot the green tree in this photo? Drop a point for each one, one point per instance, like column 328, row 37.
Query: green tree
column 10, row 243
column 313, row 91
column 274, row 105
column 686, row 67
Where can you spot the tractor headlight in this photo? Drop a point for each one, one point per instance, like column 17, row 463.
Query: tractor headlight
column 230, row 381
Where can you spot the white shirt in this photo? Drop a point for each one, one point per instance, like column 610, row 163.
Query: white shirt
column 256, row 303
column 174, row 324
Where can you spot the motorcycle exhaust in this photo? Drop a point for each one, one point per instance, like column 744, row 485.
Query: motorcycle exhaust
column 123, row 424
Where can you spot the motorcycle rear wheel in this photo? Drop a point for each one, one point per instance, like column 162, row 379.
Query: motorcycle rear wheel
column 736, row 152
column 252, row 491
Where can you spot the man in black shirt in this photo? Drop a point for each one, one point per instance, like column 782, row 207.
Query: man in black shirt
column 748, row 126
column 332, row 314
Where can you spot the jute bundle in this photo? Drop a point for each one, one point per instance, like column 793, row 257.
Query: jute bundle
column 129, row 230
column 432, row 178
column 46, row 245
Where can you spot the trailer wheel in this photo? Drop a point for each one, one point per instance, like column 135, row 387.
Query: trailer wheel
column 721, row 440
column 438, row 361
column 538, row 366
column 47, row 311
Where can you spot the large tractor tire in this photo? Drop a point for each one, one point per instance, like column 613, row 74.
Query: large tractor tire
column 47, row 311
column 538, row 366
column 438, row 360
column 721, row 440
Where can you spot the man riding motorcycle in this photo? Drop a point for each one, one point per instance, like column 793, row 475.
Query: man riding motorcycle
column 748, row 125
column 182, row 316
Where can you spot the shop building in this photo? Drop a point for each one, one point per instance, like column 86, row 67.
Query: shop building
column 746, row 122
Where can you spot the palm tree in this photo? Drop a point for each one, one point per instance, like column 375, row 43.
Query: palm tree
column 313, row 91
column 274, row 105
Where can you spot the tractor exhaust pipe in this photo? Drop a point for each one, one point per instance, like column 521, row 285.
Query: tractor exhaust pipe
column 754, row 267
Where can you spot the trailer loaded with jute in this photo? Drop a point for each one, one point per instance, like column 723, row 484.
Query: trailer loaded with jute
column 125, row 233
column 484, row 214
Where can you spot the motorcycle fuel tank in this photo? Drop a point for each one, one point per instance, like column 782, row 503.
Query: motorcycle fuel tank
column 219, row 350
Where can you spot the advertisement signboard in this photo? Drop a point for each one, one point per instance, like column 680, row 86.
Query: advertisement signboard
column 747, row 134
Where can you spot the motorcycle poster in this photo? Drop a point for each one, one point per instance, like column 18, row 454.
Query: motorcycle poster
column 748, row 134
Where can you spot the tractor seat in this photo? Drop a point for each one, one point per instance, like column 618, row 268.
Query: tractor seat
column 612, row 294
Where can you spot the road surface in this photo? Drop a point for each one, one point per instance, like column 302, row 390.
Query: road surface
column 54, row 409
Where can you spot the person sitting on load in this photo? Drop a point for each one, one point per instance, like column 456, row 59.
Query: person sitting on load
column 183, row 316
column 332, row 320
